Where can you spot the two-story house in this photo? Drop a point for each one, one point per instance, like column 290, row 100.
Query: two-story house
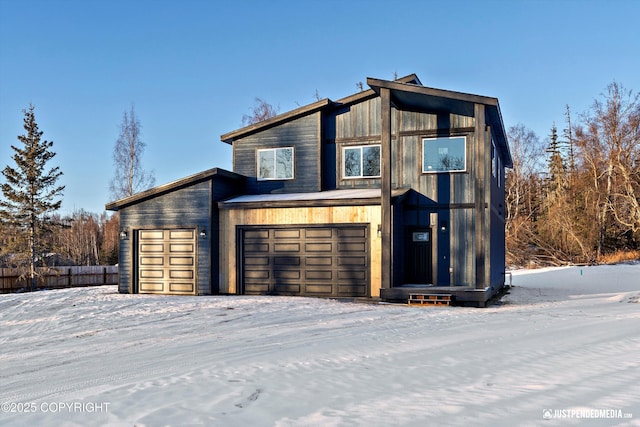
column 394, row 190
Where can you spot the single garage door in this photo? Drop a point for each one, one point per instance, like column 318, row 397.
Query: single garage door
column 167, row 261
column 331, row 260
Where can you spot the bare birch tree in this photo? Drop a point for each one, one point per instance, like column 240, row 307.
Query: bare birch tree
column 129, row 177
column 609, row 152
column 522, row 192
column 260, row 111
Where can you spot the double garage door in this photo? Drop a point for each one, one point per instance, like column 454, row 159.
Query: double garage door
column 330, row 260
column 167, row 261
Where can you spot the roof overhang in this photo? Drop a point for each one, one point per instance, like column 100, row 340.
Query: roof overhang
column 352, row 197
column 307, row 109
column 274, row 121
column 413, row 97
column 215, row 173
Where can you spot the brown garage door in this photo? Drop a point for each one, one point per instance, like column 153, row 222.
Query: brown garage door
column 330, row 260
column 167, row 261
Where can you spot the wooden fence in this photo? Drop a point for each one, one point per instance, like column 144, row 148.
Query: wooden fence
column 59, row 277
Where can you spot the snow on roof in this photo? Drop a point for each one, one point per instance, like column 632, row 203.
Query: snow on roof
column 367, row 193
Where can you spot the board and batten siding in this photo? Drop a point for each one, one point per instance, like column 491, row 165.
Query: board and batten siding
column 189, row 207
column 231, row 218
column 359, row 120
column 451, row 196
column 303, row 134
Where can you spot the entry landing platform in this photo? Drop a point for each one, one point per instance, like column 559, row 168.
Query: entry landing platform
column 460, row 295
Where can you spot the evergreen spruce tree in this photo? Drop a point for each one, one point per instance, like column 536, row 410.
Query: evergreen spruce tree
column 31, row 194
column 557, row 171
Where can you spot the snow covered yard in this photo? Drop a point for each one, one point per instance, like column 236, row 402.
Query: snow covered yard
column 562, row 346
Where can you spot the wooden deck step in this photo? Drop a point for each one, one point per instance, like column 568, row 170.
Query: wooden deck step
column 429, row 299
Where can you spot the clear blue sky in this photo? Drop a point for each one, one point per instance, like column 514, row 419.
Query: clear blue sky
column 193, row 68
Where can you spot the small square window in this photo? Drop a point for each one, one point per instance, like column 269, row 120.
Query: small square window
column 445, row 154
column 275, row 164
column 361, row 162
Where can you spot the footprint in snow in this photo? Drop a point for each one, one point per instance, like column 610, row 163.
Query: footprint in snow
column 254, row 396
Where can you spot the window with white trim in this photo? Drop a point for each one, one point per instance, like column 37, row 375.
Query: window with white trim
column 444, row 154
column 275, row 164
column 361, row 161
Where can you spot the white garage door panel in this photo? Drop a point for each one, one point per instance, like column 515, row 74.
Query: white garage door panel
column 167, row 261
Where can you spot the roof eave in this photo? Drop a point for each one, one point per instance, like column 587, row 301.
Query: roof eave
column 370, row 93
column 290, row 115
column 377, row 84
column 460, row 98
column 165, row 188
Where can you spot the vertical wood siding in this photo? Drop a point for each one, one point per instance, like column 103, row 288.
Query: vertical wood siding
column 360, row 120
column 453, row 249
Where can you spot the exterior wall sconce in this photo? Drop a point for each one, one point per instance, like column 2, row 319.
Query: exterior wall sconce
column 379, row 230
column 124, row 234
column 443, row 226
column 203, row 234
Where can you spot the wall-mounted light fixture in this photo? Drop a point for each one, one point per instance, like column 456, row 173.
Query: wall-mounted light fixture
column 123, row 234
column 203, row 234
column 379, row 230
column 443, row 226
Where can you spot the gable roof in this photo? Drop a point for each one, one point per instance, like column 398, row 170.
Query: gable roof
column 172, row 186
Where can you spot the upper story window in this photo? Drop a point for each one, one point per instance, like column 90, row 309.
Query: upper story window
column 275, row 163
column 361, row 162
column 444, row 154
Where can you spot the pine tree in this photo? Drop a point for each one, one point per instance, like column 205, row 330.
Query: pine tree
column 31, row 194
column 557, row 170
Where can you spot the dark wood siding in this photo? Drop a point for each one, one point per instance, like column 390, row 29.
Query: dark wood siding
column 189, row 207
column 304, row 135
column 360, row 120
column 355, row 125
column 451, row 196
column 497, row 223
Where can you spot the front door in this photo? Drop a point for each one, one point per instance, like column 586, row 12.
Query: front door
column 417, row 269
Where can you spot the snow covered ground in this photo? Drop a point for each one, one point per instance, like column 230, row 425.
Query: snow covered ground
column 562, row 349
